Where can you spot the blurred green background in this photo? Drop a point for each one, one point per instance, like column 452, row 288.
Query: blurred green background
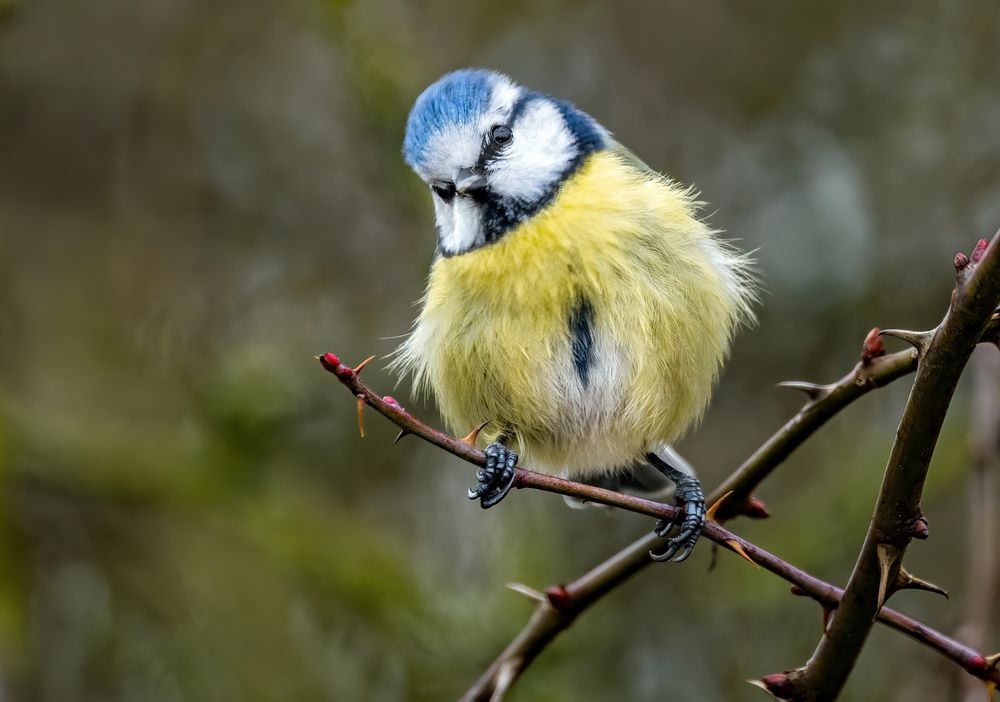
column 197, row 197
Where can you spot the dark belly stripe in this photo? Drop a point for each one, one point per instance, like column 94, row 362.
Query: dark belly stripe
column 581, row 329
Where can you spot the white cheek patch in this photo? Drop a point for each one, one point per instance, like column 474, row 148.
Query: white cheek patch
column 542, row 150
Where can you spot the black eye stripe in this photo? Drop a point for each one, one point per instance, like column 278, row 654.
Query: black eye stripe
column 444, row 191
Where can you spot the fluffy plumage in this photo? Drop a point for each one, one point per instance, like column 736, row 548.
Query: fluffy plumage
column 591, row 330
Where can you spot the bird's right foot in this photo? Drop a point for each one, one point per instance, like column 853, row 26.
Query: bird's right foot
column 496, row 478
column 691, row 520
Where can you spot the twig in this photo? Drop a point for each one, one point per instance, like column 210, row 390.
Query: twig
column 556, row 599
column 825, row 401
column 897, row 517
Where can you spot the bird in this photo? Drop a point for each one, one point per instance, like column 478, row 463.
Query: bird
column 577, row 302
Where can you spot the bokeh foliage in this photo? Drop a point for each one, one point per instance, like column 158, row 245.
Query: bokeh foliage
column 197, row 197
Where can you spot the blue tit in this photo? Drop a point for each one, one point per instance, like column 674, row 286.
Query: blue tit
column 576, row 299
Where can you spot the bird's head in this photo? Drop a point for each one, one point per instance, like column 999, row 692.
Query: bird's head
column 493, row 153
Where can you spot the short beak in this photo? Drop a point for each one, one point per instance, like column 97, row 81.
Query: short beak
column 470, row 182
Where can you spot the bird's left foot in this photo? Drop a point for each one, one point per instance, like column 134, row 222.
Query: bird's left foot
column 691, row 498
column 496, row 478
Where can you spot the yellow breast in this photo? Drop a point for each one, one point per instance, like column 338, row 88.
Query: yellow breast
column 499, row 336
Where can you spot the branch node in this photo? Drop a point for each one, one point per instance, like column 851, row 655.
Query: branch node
column 872, row 347
column 725, row 508
column 778, row 685
column 755, row 508
column 919, row 340
column 558, row 596
column 965, row 265
column 919, row 528
column 813, row 391
column 979, row 251
column 984, row 668
column 825, row 609
column 332, row 364
column 907, row 581
column 961, row 262
column 529, row 592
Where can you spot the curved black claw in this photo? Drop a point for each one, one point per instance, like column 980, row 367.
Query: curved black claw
column 690, row 497
column 663, row 526
column 496, row 478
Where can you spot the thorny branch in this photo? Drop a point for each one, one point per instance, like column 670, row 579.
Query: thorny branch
column 560, row 605
column 897, row 519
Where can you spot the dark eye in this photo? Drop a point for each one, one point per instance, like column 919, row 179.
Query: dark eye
column 446, row 192
column 501, row 135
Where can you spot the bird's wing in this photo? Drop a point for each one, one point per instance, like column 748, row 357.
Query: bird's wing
column 628, row 157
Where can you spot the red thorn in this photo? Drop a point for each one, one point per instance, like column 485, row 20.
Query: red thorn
column 920, row 530
column 390, row 400
column 872, row 347
column 558, row 597
column 977, row 253
column 961, row 262
column 978, row 663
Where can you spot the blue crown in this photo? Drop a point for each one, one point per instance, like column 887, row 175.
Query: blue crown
column 456, row 98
